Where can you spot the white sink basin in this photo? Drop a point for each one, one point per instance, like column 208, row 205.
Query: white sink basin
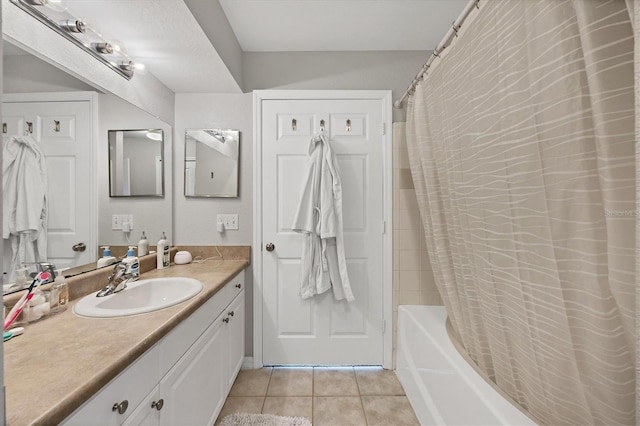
column 139, row 297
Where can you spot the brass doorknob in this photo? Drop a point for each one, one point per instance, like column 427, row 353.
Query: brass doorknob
column 270, row 247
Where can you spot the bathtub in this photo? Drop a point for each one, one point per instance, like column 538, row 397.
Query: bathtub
column 442, row 387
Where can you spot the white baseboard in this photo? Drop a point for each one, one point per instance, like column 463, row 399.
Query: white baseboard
column 248, row 363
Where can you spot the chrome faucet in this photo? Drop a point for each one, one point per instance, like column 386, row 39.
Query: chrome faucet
column 118, row 280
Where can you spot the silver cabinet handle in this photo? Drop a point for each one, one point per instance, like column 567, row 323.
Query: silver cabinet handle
column 238, row 285
column 231, row 313
column 225, row 320
column 121, row 407
column 158, row 404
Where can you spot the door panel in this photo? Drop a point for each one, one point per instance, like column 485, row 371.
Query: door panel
column 63, row 131
column 322, row 330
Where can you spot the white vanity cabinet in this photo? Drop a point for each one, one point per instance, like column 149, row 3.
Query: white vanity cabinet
column 187, row 375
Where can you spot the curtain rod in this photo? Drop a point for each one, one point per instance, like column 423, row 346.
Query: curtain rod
column 453, row 32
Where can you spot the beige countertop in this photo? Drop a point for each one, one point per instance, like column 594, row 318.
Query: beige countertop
column 63, row 360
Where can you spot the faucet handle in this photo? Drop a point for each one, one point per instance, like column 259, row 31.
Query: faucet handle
column 49, row 267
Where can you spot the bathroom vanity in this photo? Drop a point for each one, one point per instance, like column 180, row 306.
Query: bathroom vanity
column 172, row 366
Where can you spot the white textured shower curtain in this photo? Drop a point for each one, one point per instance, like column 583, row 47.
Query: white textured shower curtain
column 521, row 140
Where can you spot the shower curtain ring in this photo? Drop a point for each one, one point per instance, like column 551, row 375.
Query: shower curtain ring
column 455, row 28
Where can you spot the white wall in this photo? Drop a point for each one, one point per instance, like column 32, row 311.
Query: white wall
column 28, row 74
column 195, row 218
column 150, row 214
column 375, row 70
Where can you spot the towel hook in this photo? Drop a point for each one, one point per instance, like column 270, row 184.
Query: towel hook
column 56, row 128
column 29, row 128
column 4, row 127
column 348, row 125
column 322, row 125
column 294, row 124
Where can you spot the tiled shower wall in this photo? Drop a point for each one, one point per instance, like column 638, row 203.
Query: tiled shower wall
column 413, row 282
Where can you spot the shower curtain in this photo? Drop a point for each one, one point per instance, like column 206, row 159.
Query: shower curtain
column 521, row 140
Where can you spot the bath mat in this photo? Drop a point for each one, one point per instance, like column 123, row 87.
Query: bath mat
column 247, row 419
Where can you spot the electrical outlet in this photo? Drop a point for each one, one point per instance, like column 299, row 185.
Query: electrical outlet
column 230, row 221
column 118, row 220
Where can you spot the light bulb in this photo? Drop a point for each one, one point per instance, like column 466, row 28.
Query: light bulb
column 102, row 47
column 140, row 68
column 118, row 46
column 72, row 26
column 55, row 5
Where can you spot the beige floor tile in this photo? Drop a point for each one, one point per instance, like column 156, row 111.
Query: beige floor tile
column 388, row 410
column 251, row 382
column 294, row 406
column 376, row 381
column 334, row 381
column 338, row 410
column 241, row 404
column 291, row 382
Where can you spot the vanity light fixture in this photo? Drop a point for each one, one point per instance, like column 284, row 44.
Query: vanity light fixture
column 55, row 15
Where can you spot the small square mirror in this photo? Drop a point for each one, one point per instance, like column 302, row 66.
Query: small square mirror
column 211, row 163
column 136, row 163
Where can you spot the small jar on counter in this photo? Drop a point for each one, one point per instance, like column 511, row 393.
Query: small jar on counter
column 59, row 295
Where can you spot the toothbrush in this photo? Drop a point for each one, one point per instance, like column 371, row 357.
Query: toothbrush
column 19, row 306
column 17, row 310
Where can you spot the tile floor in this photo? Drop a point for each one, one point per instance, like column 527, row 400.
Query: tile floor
column 333, row 396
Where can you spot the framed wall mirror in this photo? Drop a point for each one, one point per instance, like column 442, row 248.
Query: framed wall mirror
column 136, row 163
column 211, row 163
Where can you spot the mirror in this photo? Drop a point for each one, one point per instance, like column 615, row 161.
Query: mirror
column 136, row 163
column 211, row 163
column 26, row 74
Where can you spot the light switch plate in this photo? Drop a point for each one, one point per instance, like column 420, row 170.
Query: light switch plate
column 118, row 219
column 230, row 221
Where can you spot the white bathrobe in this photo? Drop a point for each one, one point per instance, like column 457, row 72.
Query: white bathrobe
column 24, row 203
column 319, row 218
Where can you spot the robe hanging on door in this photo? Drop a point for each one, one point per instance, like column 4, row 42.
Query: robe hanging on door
column 24, row 218
column 319, row 218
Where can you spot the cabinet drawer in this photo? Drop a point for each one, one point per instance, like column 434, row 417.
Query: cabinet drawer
column 178, row 341
column 131, row 385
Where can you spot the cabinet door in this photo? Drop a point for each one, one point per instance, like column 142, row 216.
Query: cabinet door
column 235, row 336
column 146, row 414
column 195, row 388
column 130, row 388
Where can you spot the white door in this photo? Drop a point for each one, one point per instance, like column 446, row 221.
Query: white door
column 321, row 330
column 63, row 131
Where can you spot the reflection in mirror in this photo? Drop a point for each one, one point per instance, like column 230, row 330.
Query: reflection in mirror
column 27, row 79
column 211, row 163
column 136, row 163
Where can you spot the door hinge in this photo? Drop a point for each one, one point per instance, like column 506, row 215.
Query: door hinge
column 383, row 227
column 384, row 326
column 383, row 128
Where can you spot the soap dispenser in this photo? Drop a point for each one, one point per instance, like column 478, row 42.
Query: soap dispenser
column 132, row 262
column 106, row 258
column 143, row 245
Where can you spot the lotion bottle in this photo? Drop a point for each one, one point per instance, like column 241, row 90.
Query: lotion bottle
column 132, row 262
column 106, row 258
column 143, row 245
column 162, row 253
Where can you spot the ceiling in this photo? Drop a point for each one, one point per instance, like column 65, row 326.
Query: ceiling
column 167, row 38
column 340, row 25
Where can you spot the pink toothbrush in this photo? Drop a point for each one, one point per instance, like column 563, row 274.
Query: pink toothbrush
column 19, row 306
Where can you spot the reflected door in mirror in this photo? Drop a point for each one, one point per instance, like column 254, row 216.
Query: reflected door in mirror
column 136, row 163
column 211, row 163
